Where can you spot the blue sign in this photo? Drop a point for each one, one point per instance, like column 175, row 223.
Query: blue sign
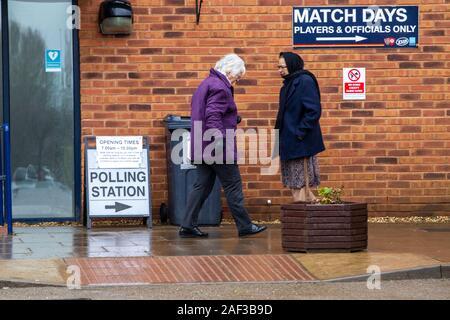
column 351, row 27
column 52, row 60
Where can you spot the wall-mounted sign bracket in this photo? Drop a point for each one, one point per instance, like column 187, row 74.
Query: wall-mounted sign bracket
column 198, row 9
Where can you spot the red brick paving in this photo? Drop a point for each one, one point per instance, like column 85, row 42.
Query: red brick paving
column 4, row 230
column 190, row 269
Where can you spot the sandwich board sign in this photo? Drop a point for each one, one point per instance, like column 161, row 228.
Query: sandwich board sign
column 117, row 179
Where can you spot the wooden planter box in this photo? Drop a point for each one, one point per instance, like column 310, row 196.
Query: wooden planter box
column 310, row 227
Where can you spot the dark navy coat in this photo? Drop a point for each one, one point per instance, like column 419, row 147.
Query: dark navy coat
column 300, row 134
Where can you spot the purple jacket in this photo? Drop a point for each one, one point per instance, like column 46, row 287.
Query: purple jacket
column 213, row 107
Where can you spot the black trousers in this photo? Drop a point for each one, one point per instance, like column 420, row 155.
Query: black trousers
column 231, row 181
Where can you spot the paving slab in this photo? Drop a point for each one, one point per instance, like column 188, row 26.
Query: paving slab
column 45, row 271
column 331, row 265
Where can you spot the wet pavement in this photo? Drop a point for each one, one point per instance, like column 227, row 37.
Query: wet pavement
column 136, row 255
column 64, row 242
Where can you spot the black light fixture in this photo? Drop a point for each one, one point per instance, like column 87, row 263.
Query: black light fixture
column 115, row 17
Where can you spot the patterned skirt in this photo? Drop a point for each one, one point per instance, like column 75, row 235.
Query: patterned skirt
column 292, row 173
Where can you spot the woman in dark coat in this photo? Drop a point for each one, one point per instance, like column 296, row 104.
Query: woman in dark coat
column 298, row 122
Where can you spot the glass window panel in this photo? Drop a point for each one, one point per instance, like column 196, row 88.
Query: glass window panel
column 41, row 108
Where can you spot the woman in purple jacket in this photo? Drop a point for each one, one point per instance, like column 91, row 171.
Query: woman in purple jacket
column 214, row 115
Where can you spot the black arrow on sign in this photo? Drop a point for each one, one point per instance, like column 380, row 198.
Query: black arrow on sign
column 118, row 206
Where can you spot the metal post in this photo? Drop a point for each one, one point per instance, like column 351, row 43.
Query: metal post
column 147, row 154
column 86, row 182
column 8, row 199
column 2, row 212
column 6, row 114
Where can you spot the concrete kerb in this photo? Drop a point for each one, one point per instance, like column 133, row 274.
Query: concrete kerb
column 433, row 272
column 26, row 284
column 445, row 271
column 421, row 273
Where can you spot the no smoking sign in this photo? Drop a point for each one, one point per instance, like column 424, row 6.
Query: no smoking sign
column 354, row 75
column 354, row 84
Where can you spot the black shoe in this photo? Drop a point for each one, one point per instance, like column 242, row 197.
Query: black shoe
column 253, row 230
column 191, row 233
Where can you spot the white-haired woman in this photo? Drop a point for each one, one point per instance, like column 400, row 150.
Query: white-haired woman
column 213, row 108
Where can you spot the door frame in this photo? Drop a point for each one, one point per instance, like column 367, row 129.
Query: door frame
column 76, row 111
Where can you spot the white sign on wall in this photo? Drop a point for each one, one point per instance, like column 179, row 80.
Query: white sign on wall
column 354, row 83
column 119, row 152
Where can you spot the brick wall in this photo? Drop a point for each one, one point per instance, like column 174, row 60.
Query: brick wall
column 391, row 150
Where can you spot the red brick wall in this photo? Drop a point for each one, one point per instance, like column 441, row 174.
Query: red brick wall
column 391, row 150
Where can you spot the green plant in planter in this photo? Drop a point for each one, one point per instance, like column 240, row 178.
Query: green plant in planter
column 328, row 195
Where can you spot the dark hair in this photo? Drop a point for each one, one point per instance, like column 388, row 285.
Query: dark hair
column 293, row 61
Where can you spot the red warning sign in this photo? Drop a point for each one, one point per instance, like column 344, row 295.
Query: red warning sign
column 354, row 83
column 357, row 87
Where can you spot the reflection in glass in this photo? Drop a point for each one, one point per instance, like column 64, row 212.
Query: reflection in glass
column 41, row 109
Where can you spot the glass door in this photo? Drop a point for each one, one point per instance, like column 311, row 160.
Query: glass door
column 41, row 109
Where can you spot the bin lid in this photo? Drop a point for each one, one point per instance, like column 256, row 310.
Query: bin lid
column 175, row 121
